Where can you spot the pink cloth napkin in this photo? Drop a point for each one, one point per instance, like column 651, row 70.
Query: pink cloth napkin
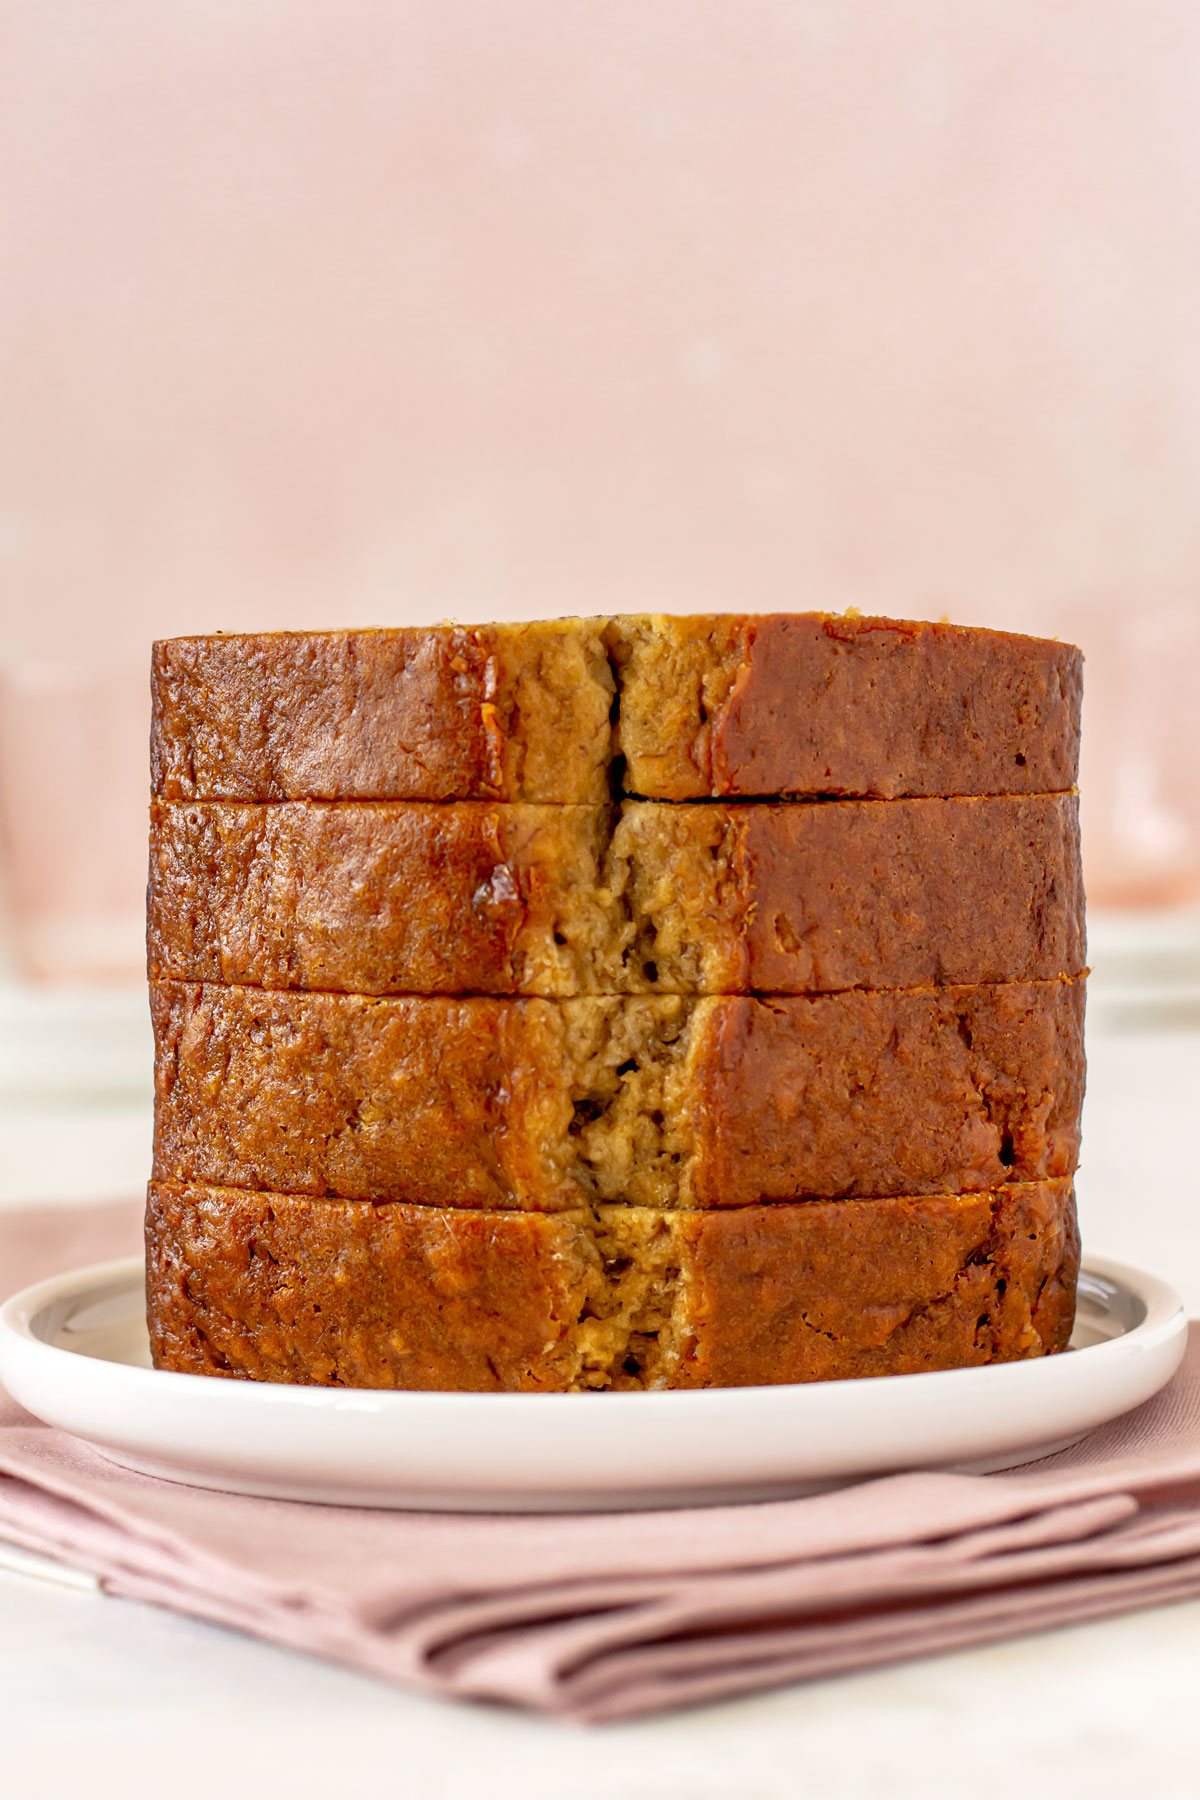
column 608, row 1616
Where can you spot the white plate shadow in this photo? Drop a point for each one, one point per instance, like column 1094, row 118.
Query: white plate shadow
column 73, row 1352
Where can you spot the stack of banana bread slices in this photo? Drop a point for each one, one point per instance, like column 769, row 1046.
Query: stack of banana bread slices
column 632, row 1003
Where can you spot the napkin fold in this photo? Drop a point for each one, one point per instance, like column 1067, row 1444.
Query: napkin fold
column 607, row 1616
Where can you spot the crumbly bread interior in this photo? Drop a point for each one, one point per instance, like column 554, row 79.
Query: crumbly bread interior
column 632, row 1331
column 578, row 931
column 644, row 902
column 671, row 869
column 553, row 705
column 674, row 676
column 630, row 1133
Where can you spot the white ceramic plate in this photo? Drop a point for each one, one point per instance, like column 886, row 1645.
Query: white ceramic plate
column 73, row 1351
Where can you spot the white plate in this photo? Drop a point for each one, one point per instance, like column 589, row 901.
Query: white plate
column 73, row 1351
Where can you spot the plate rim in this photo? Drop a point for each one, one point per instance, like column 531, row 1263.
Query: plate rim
column 403, row 1449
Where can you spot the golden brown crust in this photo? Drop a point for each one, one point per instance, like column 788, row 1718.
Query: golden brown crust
column 384, row 897
column 808, row 703
column 885, row 1286
column 514, row 712
column 718, row 705
column 278, row 1288
column 537, row 1104
column 402, row 897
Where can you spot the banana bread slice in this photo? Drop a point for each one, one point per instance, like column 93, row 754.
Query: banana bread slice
column 273, row 1287
column 666, row 1101
column 572, row 710
column 492, row 898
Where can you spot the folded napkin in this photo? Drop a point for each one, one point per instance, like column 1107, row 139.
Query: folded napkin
column 607, row 1616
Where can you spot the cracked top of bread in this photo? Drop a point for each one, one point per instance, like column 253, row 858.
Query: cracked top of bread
column 576, row 711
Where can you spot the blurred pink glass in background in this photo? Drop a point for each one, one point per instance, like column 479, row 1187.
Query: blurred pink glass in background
column 1140, row 767
column 361, row 312
column 73, row 751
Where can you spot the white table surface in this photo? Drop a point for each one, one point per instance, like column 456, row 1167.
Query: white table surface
column 102, row 1697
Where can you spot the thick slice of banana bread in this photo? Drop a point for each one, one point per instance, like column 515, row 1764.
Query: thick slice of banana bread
column 665, row 1101
column 273, row 1287
column 492, row 898
column 575, row 709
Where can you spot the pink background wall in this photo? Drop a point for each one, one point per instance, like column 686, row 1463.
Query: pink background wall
column 325, row 311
